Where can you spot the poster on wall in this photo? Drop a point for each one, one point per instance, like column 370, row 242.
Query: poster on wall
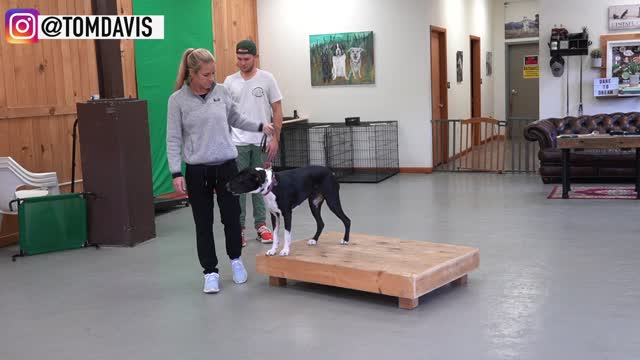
column 623, row 62
column 459, row 66
column 624, row 17
column 521, row 19
column 342, row 58
column 518, row 26
column 531, row 67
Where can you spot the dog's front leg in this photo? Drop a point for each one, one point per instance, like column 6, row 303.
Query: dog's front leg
column 275, row 221
column 287, row 234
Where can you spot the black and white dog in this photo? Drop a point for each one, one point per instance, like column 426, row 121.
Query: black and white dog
column 284, row 190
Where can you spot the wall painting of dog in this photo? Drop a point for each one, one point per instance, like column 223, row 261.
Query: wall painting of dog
column 342, row 59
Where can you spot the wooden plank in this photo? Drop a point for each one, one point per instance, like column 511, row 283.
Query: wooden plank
column 125, row 7
column 37, row 111
column 3, row 67
column 276, row 281
column 4, row 138
column 401, row 268
column 39, row 87
column 232, row 21
column 41, row 144
column 220, row 40
column 599, row 142
column 21, row 141
column 447, row 271
column 8, row 63
column 416, row 170
column 460, row 281
column 408, row 304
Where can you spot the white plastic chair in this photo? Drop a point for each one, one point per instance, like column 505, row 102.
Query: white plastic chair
column 13, row 176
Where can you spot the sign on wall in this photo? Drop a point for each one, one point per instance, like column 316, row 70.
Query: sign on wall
column 531, row 67
column 624, row 17
column 605, row 86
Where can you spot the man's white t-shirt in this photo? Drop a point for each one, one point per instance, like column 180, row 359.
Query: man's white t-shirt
column 254, row 98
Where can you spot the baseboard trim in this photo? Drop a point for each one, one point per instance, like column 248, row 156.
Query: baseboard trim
column 416, row 170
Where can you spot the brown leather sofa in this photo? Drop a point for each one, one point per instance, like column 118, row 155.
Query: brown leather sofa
column 585, row 165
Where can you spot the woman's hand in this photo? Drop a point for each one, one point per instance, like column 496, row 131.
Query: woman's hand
column 268, row 129
column 272, row 149
column 179, row 185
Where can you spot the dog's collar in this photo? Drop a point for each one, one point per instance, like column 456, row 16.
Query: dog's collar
column 272, row 184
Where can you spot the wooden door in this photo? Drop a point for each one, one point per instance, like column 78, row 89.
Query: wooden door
column 439, row 100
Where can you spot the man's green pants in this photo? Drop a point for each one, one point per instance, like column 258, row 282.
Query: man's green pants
column 251, row 156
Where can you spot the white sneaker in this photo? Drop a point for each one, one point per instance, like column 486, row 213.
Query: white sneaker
column 211, row 283
column 239, row 272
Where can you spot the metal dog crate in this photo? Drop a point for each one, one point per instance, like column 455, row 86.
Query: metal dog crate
column 365, row 153
column 294, row 147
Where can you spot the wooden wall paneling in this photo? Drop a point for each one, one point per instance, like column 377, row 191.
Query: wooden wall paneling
column 4, row 137
column 233, row 21
column 21, row 141
column 39, row 87
column 127, row 48
column 220, row 41
column 91, row 61
column 3, row 86
column 43, row 140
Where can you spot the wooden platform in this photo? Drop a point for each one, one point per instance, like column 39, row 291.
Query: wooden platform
column 403, row 268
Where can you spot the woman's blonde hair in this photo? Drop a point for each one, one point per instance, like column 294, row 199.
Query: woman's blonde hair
column 192, row 59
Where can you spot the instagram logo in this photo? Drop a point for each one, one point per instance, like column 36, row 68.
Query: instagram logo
column 21, row 26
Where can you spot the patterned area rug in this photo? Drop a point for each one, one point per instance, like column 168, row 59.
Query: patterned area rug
column 596, row 192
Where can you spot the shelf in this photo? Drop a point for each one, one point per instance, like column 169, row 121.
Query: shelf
column 570, row 52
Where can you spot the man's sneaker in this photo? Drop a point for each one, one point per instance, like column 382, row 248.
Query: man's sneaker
column 239, row 272
column 244, row 240
column 264, row 234
column 211, row 283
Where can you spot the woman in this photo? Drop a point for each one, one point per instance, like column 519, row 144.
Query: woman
column 199, row 115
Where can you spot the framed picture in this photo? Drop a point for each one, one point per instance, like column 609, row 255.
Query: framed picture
column 459, row 66
column 523, row 27
column 342, row 58
column 621, row 58
column 624, row 17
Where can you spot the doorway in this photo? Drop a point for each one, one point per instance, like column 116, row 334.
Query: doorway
column 522, row 102
column 523, row 97
column 476, row 81
column 439, row 98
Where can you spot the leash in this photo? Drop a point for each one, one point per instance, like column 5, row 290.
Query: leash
column 263, row 143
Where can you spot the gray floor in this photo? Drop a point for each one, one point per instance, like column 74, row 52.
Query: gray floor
column 557, row 280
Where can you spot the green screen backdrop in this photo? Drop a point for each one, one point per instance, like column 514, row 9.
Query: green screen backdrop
column 186, row 24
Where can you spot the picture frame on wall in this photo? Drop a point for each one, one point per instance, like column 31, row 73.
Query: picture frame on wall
column 621, row 57
column 489, row 63
column 342, row 58
column 624, row 17
column 459, row 64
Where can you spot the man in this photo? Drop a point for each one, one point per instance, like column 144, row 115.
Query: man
column 258, row 97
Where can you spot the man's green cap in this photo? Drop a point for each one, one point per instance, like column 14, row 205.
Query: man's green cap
column 246, row 47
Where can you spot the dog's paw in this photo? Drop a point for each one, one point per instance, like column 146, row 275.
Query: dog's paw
column 284, row 252
column 311, row 242
column 271, row 252
column 342, row 242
